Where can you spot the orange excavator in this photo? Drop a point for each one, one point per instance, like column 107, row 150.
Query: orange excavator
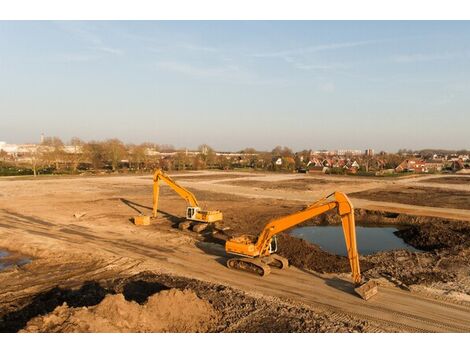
column 257, row 254
column 195, row 216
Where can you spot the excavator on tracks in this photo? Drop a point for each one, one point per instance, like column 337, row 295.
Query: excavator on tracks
column 196, row 218
column 257, row 254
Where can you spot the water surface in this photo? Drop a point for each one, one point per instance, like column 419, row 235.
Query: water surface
column 369, row 239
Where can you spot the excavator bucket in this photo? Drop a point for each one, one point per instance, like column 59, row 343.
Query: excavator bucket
column 142, row 220
column 367, row 290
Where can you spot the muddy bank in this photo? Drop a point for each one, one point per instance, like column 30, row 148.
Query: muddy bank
column 305, row 255
column 11, row 259
column 149, row 302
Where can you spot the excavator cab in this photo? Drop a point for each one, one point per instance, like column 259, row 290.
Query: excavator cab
column 273, row 245
column 191, row 213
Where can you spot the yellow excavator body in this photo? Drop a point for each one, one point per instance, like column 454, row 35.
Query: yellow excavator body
column 256, row 254
column 193, row 211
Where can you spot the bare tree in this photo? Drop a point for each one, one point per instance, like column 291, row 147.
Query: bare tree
column 115, row 151
column 137, row 155
column 53, row 150
column 94, row 153
column 76, row 156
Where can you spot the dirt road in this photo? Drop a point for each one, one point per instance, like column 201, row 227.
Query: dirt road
column 36, row 219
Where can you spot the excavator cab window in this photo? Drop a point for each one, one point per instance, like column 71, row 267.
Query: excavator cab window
column 191, row 212
column 273, row 245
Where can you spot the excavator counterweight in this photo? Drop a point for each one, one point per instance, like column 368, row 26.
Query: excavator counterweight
column 257, row 254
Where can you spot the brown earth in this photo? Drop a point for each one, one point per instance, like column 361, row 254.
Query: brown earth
column 157, row 303
column 209, row 177
column 297, row 184
column 427, row 196
column 167, row 311
column 81, row 261
column 456, row 180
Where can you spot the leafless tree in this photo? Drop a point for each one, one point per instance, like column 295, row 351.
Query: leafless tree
column 115, row 151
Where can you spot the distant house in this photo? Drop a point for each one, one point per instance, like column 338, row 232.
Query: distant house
column 413, row 165
column 434, row 165
column 277, row 161
column 457, row 165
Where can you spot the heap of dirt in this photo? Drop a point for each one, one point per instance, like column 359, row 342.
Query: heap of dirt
column 167, row 311
column 448, row 268
column 437, row 234
column 170, row 303
column 306, row 255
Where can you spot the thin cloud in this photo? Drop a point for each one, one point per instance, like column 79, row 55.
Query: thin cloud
column 83, row 33
column 229, row 73
column 412, row 58
column 201, row 48
column 312, row 67
column 109, row 50
column 69, row 58
column 314, row 49
column 195, row 71
column 327, row 87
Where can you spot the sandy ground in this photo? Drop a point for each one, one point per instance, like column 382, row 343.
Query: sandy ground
column 37, row 220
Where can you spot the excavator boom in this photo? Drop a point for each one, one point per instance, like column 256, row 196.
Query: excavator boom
column 183, row 192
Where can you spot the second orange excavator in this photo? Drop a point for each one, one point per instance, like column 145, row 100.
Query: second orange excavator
column 257, row 254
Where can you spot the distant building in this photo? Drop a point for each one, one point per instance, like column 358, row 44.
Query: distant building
column 413, row 165
column 343, row 152
column 369, row 152
column 434, row 165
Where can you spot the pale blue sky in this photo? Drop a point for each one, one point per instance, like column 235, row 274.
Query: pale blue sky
column 320, row 84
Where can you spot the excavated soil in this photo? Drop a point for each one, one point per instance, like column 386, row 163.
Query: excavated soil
column 167, row 311
column 425, row 196
column 456, row 180
column 305, row 255
column 149, row 302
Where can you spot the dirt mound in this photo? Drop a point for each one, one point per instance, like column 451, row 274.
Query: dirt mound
column 167, row 311
column 306, row 255
column 405, row 268
column 437, row 234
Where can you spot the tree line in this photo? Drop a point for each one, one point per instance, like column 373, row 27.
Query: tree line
column 112, row 155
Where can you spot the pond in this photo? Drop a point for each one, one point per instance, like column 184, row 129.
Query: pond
column 369, row 239
column 8, row 259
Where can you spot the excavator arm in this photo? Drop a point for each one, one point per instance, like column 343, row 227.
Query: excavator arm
column 183, row 192
column 345, row 210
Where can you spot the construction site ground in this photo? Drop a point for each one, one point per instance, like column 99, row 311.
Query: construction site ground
column 86, row 267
